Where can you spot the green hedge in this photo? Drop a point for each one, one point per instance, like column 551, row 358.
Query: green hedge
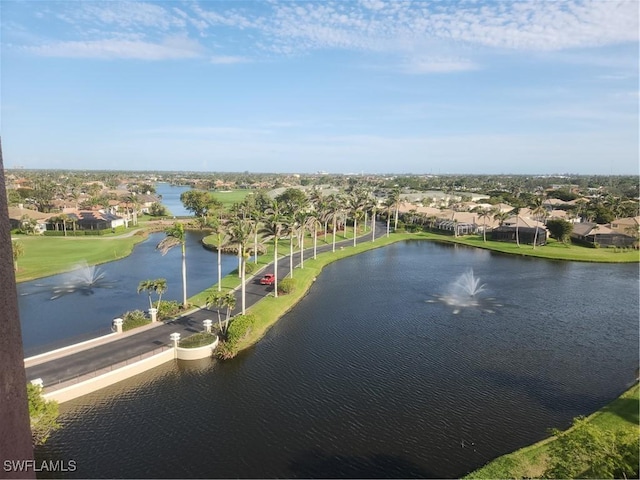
column 286, row 285
column 198, row 340
column 134, row 319
column 239, row 327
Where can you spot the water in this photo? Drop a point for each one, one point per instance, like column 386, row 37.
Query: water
column 171, row 198
column 62, row 309
column 467, row 292
column 366, row 378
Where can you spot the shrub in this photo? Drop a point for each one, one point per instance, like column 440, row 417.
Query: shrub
column 286, row 285
column 198, row 340
column 239, row 327
column 43, row 414
column 134, row 319
column 168, row 309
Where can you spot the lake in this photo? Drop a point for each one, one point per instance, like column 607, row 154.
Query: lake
column 373, row 374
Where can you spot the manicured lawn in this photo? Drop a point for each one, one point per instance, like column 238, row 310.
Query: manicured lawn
column 44, row 256
column 231, row 197
column 552, row 250
column 530, row 462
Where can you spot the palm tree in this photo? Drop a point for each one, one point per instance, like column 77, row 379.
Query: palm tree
column 18, row 251
column 291, row 228
column 147, row 286
column 516, row 210
column 394, row 197
column 484, row 213
column 272, row 228
column 159, row 287
column 539, row 212
column 175, row 235
column 221, row 239
column 388, row 203
column 222, row 300
column 241, row 230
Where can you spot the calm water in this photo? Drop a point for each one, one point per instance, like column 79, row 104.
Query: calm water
column 366, row 377
column 171, row 198
column 48, row 323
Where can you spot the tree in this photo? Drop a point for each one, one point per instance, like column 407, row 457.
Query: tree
column 394, row 199
column 43, row 414
column 18, row 251
column 220, row 234
column 157, row 210
column 484, row 214
column 272, row 228
column 222, row 300
column 146, row 286
column 157, row 286
column 241, row 230
column 199, row 202
column 586, row 451
column 560, row 229
column 175, row 235
column 539, row 212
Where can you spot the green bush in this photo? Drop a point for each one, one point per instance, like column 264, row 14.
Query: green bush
column 198, row 340
column 239, row 327
column 134, row 319
column 168, row 309
column 286, row 285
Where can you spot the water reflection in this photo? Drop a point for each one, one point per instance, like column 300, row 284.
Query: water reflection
column 83, row 279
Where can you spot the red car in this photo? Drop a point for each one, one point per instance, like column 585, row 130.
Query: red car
column 268, row 279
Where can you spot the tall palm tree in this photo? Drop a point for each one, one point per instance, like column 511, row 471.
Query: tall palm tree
column 484, row 214
column 175, row 235
column 395, row 201
column 538, row 212
column 241, row 230
column 221, row 239
column 388, row 204
column 291, row 228
column 272, row 228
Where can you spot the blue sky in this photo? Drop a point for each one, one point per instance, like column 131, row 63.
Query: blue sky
column 528, row 87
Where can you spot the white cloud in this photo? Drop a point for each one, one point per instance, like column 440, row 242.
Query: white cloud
column 420, row 65
column 170, row 49
column 228, row 59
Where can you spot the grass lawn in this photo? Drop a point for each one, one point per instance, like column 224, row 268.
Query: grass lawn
column 530, row 462
column 44, row 256
column 553, row 250
column 231, row 197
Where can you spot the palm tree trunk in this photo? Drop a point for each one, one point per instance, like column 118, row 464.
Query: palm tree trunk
column 302, row 250
column 355, row 229
column 373, row 227
column 275, row 266
column 291, row 255
column 184, row 276
column 255, row 245
column 333, row 249
column 388, row 223
column 244, row 296
column 315, row 241
column 219, row 268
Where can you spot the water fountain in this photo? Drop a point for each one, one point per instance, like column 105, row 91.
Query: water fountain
column 467, row 292
column 83, row 279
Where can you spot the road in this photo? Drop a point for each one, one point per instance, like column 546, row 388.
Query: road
column 104, row 356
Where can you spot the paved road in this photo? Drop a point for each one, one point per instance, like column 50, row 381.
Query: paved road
column 103, row 356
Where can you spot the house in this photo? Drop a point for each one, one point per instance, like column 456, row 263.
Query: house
column 526, row 235
column 90, row 220
column 20, row 216
column 628, row 226
column 601, row 235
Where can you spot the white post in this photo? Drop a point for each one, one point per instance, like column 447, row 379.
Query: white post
column 207, row 325
column 118, row 324
column 154, row 314
column 37, row 382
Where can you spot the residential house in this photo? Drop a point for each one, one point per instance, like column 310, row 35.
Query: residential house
column 601, row 235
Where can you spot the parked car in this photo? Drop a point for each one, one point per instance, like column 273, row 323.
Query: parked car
column 268, row 279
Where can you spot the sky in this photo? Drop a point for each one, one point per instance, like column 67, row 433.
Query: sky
column 370, row 86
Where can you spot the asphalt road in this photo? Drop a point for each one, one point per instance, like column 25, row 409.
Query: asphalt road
column 103, row 356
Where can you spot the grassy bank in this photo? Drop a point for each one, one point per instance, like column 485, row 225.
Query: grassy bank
column 44, row 256
column 531, row 461
column 553, row 250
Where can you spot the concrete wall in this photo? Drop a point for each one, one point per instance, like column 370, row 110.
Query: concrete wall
column 101, row 381
column 196, row 353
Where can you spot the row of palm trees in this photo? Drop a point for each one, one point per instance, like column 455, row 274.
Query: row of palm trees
column 291, row 215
